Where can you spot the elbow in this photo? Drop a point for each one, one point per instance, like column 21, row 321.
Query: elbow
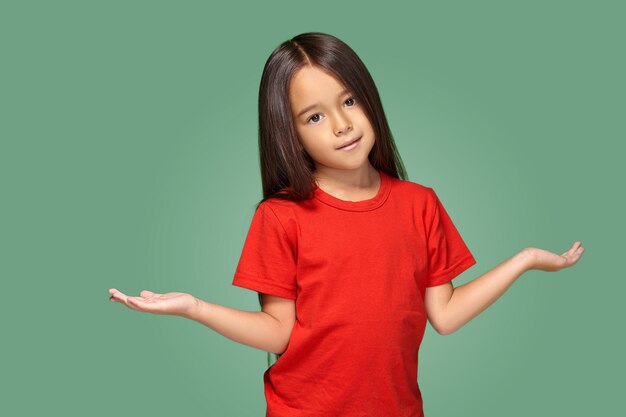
column 280, row 349
column 283, row 345
column 439, row 326
column 444, row 329
column 441, row 330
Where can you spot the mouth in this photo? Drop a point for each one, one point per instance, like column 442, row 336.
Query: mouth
column 351, row 144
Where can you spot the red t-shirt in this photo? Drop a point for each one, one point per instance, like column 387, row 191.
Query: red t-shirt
column 357, row 272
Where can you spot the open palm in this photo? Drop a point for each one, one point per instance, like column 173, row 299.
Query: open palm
column 174, row 303
column 547, row 261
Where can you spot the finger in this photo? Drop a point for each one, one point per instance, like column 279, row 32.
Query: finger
column 117, row 295
column 146, row 293
column 572, row 259
column 135, row 303
column 573, row 249
column 138, row 303
column 580, row 251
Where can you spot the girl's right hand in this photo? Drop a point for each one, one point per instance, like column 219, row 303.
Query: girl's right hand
column 174, row 303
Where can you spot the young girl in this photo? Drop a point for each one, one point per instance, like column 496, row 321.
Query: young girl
column 349, row 258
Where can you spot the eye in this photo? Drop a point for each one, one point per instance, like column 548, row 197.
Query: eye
column 350, row 102
column 315, row 118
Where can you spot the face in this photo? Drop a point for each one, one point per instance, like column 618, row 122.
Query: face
column 327, row 116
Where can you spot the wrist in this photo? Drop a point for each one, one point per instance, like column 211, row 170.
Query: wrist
column 194, row 309
column 527, row 256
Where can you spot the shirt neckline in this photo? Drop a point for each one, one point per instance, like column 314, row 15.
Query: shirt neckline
column 363, row 205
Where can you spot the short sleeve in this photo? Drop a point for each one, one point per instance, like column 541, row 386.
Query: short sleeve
column 448, row 256
column 267, row 262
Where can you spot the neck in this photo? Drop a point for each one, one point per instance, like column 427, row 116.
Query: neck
column 364, row 177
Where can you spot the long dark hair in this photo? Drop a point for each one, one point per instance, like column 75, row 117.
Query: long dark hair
column 286, row 168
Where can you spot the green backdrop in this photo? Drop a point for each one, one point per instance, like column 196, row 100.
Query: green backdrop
column 129, row 159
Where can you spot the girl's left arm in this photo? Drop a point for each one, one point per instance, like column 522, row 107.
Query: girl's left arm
column 450, row 308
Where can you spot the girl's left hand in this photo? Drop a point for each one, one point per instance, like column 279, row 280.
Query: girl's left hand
column 544, row 260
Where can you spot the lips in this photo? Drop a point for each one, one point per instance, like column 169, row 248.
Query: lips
column 350, row 142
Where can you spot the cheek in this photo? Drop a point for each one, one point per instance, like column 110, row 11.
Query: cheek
column 310, row 145
column 314, row 150
column 303, row 139
column 364, row 121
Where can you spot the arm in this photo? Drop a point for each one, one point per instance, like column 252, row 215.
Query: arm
column 450, row 308
column 269, row 330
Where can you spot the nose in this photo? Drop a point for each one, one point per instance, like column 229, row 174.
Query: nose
column 343, row 124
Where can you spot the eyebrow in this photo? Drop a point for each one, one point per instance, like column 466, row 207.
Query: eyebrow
column 312, row 106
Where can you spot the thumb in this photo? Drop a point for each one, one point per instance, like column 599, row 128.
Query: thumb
column 146, row 293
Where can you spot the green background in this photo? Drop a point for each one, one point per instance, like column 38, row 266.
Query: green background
column 129, row 159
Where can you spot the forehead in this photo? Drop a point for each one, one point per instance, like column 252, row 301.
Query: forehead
column 312, row 85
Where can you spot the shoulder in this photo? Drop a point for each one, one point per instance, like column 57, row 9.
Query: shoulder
column 280, row 206
column 421, row 198
column 413, row 190
column 283, row 212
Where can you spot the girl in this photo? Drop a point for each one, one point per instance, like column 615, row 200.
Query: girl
column 349, row 258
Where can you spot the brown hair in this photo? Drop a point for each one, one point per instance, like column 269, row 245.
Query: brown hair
column 286, row 168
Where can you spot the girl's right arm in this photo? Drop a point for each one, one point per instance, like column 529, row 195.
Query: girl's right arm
column 257, row 329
